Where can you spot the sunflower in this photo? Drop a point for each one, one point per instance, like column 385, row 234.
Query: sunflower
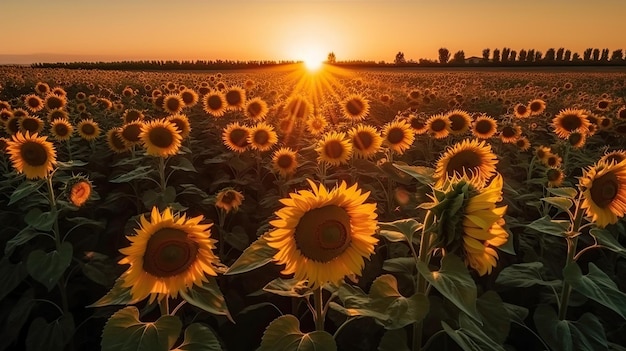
column 418, row 124
column 128, row 92
column 398, row 135
column 542, row 152
column 459, row 121
column 334, row 149
column 256, row 109
column 57, row 114
column 577, row 139
column 5, row 105
column 31, row 124
column 439, row 126
column 621, row 113
column 473, row 158
column 555, row 177
column 262, row 137
column 603, row 105
column 229, row 199
column 19, row 113
column 615, row 156
column 604, row 192
column 182, row 123
column 521, row 111
column 79, row 189
column 552, row 160
column 189, row 97
column 173, row 103
column 168, row 255
column 160, row 138
column 31, row 154
column 298, row 108
column 316, row 124
column 53, row 101
column 355, row 107
column 132, row 115
column 214, row 103
column 33, row 103
column 81, row 107
column 58, row 91
column 42, row 88
column 129, row 133
column 569, row 120
column 235, row 98
column 12, row 125
column 5, row 115
column 522, row 143
column 536, row 107
column 324, row 235
column 365, row 141
column 470, row 223
column 61, row 129
column 116, row 141
column 284, row 161
column 88, row 129
column 510, row 133
column 235, row 137
column 80, row 96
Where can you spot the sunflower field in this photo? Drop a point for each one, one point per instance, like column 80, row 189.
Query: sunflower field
column 281, row 209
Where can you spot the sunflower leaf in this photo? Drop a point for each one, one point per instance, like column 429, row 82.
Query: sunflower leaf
column 208, row 297
column 118, row 295
column 423, row 174
column 607, row 240
column 183, row 164
column 125, row 332
column 394, row 340
column 19, row 315
column 258, row 254
column 561, row 203
column 470, row 336
column 283, row 333
column 523, row 275
column 585, row 334
column 25, row 189
column 597, row 286
column 50, row 336
column 138, row 173
column 199, row 337
column 40, row 220
column 569, row 193
column 550, row 226
column 497, row 322
column 21, row 238
column 47, row 268
column 288, row 287
column 400, row 230
column 11, row 275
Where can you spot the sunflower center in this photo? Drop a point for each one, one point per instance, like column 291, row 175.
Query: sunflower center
column 169, row 252
column 416, row 123
column 261, row 137
column 603, row 104
column 333, row 149
column 457, row 122
column 571, row 122
column 88, row 129
column 323, row 233
column 161, row 137
column 355, row 107
column 463, row 161
column 254, row 109
column 521, row 109
column 180, row 125
column 132, row 115
column 575, row 139
column 614, row 158
column 535, row 106
column 233, row 98
column 284, row 161
column 131, row 132
column 172, row 104
column 187, row 97
column 553, row 174
column 621, row 114
column 438, row 125
column 363, row 140
column 61, row 129
column 117, row 141
column 34, row 154
column 508, row 132
column 30, row 124
column 239, row 137
column 229, row 197
column 54, row 102
column 214, row 102
column 395, row 136
column 604, row 189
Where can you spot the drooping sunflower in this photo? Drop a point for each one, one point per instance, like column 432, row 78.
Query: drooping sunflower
column 510, row 133
column 31, row 154
column 615, row 156
column 438, row 126
column 569, row 120
column 57, row 114
column 173, row 103
column 459, row 121
column 53, row 101
column 214, row 103
column 324, row 235
column 130, row 133
column 366, row 141
column 235, row 137
column 536, row 107
column 298, row 108
column 132, row 115
column 604, row 192
column 189, row 97
column 521, row 111
column 284, row 161
column 316, row 124
column 115, row 141
column 160, row 138
column 79, row 189
column 355, row 107
column 229, row 199
column 334, row 149
column 262, row 137
column 555, row 177
column 522, row 143
column 31, row 124
column 473, row 229
column 577, row 139
column 168, row 255
column 88, row 129
column 235, row 98
column 418, row 124
column 473, row 158
column 33, row 103
column 256, row 109
column 182, row 124
column 398, row 135
column 61, row 129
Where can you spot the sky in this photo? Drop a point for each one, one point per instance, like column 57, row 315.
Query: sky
column 373, row 30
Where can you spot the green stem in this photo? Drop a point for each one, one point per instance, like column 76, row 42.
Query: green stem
column 421, row 286
column 572, row 241
column 164, row 306
column 162, row 182
column 57, row 239
column 69, row 149
column 319, row 314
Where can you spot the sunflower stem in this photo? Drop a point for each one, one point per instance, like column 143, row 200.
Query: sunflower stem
column 162, row 182
column 421, row 284
column 319, row 305
column 572, row 241
column 69, row 149
column 164, row 306
column 57, row 239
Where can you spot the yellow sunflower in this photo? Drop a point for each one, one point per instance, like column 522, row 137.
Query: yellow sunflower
column 555, row 177
column 130, row 133
column 569, row 120
column 61, row 129
column 5, row 115
column 173, row 103
column 168, row 255
column 522, row 143
column 42, row 88
column 552, row 160
column 19, row 113
column 53, row 101
column 418, row 124
column 510, row 133
column 182, row 123
column 235, row 98
column 132, row 115
column 615, row 156
column 459, row 121
column 189, row 97
column 88, row 129
column 439, row 126
column 324, row 235
column 398, row 135
column 229, row 199
column 31, row 154
column 604, row 192
column 115, row 141
column 316, row 124
column 521, row 111
column 536, row 107
column 470, row 157
column 214, row 104
column 31, row 124
column 355, row 107
column 57, row 114
column 12, row 125
column 365, row 141
column 334, row 149
column 542, row 152
column 160, row 138
column 33, row 103
column 256, row 109
column 80, row 96
column 284, row 161
column 603, row 105
column 577, row 139
column 262, row 137
column 235, row 137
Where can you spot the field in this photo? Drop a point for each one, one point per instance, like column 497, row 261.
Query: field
column 337, row 209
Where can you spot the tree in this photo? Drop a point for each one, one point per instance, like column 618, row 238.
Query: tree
column 496, row 55
column 486, row 55
column 513, row 55
column 576, row 57
column 522, row 55
column 538, row 55
column 605, row 55
column 587, row 54
column 530, row 57
column 568, row 55
column 399, row 58
column 444, row 56
column 617, row 55
column 559, row 54
column 549, row 55
column 459, row 57
column 331, row 58
column 505, row 54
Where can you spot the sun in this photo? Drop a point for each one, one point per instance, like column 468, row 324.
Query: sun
column 313, row 63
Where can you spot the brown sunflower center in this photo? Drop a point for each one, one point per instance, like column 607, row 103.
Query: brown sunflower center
column 284, row 161
column 13, row 125
column 508, row 132
column 465, row 160
column 214, row 102
column 363, row 140
column 552, row 161
column 33, row 102
column 239, row 137
column 297, row 108
column 535, row 106
column 604, row 189
column 395, row 136
column 417, row 123
column 172, row 104
column 88, row 129
column 117, row 141
column 254, row 109
column 169, row 252
column 333, row 149
column 131, row 132
column 179, row 123
column 229, row 197
column 61, row 129
column 458, row 123
column 438, row 125
column 615, row 158
column 521, row 109
column 54, row 102
column 603, row 104
column 553, row 174
column 34, row 154
column 161, row 137
column 571, row 122
column 355, row 107
column 233, row 98
column 575, row 139
column 261, row 137
column 621, row 114
column 187, row 97
column 323, row 233
column 132, row 115
column 30, row 124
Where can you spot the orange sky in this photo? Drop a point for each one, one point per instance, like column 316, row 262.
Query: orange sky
column 296, row 29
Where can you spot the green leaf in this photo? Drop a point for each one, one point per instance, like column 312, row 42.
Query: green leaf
column 608, row 240
column 497, row 322
column 585, row 334
column 21, row 238
column 258, row 254
column 384, row 303
column 284, row 334
column 516, row 313
column 394, row 340
column 400, row 265
column 597, row 286
column 26, row 188
column 125, row 332
column 423, row 175
column 207, row 297
column 199, row 338
column 19, row 314
column 550, row 226
column 50, row 336
column 569, row 193
column 561, row 203
column 470, row 337
column 11, row 275
column 40, row 220
column 183, row 164
column 138, row 173
column 402, row 229
column 588, row 333
column 454, row 282
column 47, row 268
column 288, row 287
column 118, row 295
column 237, row 238
column 523, row 275
column 87, row 221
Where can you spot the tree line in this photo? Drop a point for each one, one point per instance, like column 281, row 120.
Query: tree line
column 165, row 65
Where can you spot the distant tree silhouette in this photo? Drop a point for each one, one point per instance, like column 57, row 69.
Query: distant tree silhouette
column 486, row 55
column 568, row 56
column 513, row 55
column 605, row 55
column 576, row 57
column 596, row 54
column 444, row 56
column 399, row 58
column 459, row 57
column 496, row 55
column 587, row 54
column 522, row 55
column 549, row 55
column 331, row 58
column 617, row 55
column 530, row 56
column 538, row 55
column 504, row 55
column 559, row 54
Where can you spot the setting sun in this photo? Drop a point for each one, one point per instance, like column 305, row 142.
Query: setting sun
column 313, row 64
